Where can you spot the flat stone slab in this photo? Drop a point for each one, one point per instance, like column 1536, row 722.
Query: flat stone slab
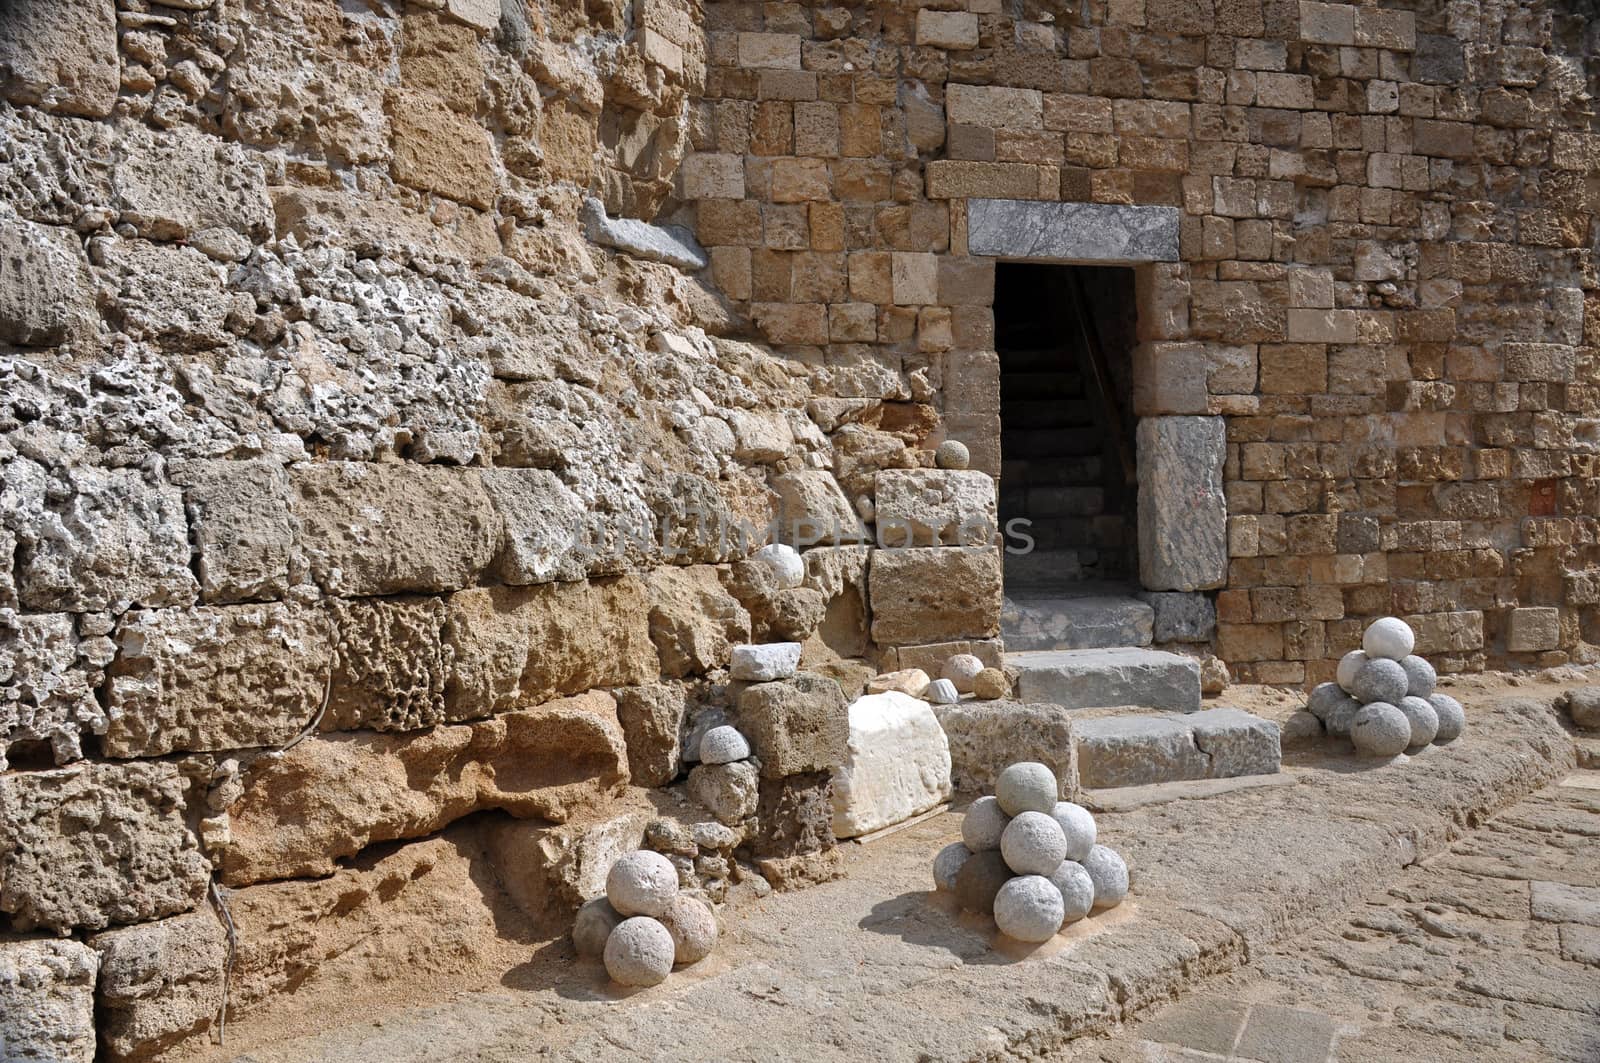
column 1090, row 622
column 1128, row 798
column 1141, row 750
column 1103, row 678
column 673, row 245
column 1072, row 232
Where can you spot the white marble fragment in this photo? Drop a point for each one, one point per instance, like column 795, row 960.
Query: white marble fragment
column 897, row 764
column 766, row 662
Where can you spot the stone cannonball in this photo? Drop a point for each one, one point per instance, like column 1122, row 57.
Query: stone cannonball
column 783, row 563
column 639, row 952
column 1033, row 844
column 1380, row 680
column 942, row 692
column 983, row 825
column 1423, row 718
column 1077, row 826
column 1420, row 676
column 1390, row 637
column 962, row 669
column 952, row 454
column 641, row 883
column 1380, row 730
column 1109, row 874
column 1349, row 665
column 723, row 745
column 979, row 879
column 592, row 926
column 693, row 927
column 1077, row 890
column 947, row 865
column 1343, row 715
column 1029, row 908
column 1324, row 698
column 991, row 683
column 1452, row 718
column 1027, row 786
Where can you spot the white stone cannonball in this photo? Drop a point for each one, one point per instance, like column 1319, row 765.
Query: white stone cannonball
column 1380, row 680
column 962, row 669
column 1380, row 730
column 1420, row 676
column 693, row 926
column 641, row 883
column 592, row 926
column 1423, row 718
column 983, row 825
column 1349, row 665
column 1029, row 908
column 952, row 454
column 723, row 745
column 1109, row 874
column 1343, row 715
column 639, row 952
column 1077, row 826
column 1077, row 890
column 1324, row 698
column 942, row 692
column 784, row 563
column 1027, row 786
column 947, row 865
column 1389, row 637
column 1452, row 718
column 1033, row 844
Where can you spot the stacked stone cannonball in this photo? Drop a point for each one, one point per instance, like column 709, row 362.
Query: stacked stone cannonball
column 1030, row 860
column 643, row 927
column 1384, row 700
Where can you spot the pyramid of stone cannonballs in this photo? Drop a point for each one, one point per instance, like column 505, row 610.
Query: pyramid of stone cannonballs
column 1384, row 699
column 1030, row 860
column 643, row 927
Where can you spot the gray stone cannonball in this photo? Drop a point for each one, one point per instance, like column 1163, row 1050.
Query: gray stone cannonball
column 693, row 927
column 983, row 825
column 1349, row 665
column 1077, row 826
column 1420, row 676
column 1452, row 718
column 592, row 926
column 1324, row 698
column 1033, row 844
column 1343, row 715
column 1109, row 874
column 1380, row 680
column 1077, row 890
column 1423, row 719
column 1380, row 730
column 1389, row 637
column 962, row 669
column 641, row 883
column 1026, row 787
column 979, row 879
column 952, row 454
column 947, row 865
column 1029, row 908
column 639, row 952
column 723, row 745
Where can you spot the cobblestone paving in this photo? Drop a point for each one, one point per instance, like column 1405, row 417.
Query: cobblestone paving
column 1490, row 951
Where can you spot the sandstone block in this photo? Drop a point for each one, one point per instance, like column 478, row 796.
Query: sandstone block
column 897, row 765
column 1323, row 326
column 994, row 106
column 1327, row 23
column 173, row 184
column 713, row 176
column 961, row 179
column 937, row 593
column 1183, row 519
column 813, row 509
column 931, row 657
column 480, row 14
column 438, row 150
column 769, row 51
column 986, row 737
column 1533, row 628
column 541, row 521
column 935, row 507
column 652, row 723
column 794, row 816
column 953, row 30
column 795, row 726
column 46, row 987
column 39, row 276
column 47, row 684
column 239, row 519
column 393, row 665
column 60, row 56
column 694, row 623
column 550, row 871
column 160, row 983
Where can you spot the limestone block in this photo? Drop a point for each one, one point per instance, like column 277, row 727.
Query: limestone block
column 813, row 509
column 480, row 14
column 331, row 796
column 935, row 507
column 46, row 987
column 795, row 726
column 694, row 622
column 994, row 107
column 897, row 764
column 389, row 529
column 1098, row 678
column 1183, row 517
column 173, row 184
column 60, row 56
column 931, row 657
column 1534, row 628
column 438, row 150
column 94, row 845
column 40, row 280
column 160, row 983
column 938, row 593
column 1237, row 742
column 1182, row 617
column 652, row 723
column 770, row 51
column 986, row 737
column 542, row 523
column 1075, row 232
column 760, row 664
column 1138, row 750
column 47, row 686
column 239, row 522
column 953, row 30
column 393, row 665
column 713, row 176
column 910, row 681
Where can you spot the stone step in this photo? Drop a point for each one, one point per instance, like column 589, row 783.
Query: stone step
column 1049, row 413
column 1103, row 678
column 1076, row 623
column 1139, row 748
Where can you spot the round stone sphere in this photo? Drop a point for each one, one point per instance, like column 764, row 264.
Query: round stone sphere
column 641, row 883
column 1349, row 665
column 979, row 879
column 639, row 952
column 1324, row 698
column 1420, row 676
column 1343, row 715
column 1077, row 890
column 952, row 454
column 783, row 563
column 693, row 927
column 593, row 926
column 962, row 670
column 723, row 745
column 1077, row 826
column 1027, row 786
column 983, row 825
column 1109, row 874
column 1029, row 908
column 1452, row 718
column 947, row 865
column 1423, row 719
column 1390, row 637
column 1380, row 730
column 990, row 684
column 1033, row 844
column 1380, row 680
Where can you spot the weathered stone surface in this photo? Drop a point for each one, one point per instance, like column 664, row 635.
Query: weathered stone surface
column 438, row 150
column 1072, row 232
column 728, row 791
column 331, row 796
column 60, row 56
column 796, row 726
column 1084, row 679
column 239, row 521
column 652, row 723
column 986, row 737
column 1237, row 742
column 1081, row 622
column 540, row 520
column 392, row 665
column 47, row 991
column 898, row 765
column 1583, row 705
column 671, row 244
column 47, row 683
column 765, row 662
column 1532, row 629
column 160, row 983
column 934, row 594
column 176, row 183
column 813, row 509
column 694, row 623
column 1182, row 617
column 95, row 845
column 795, row 817
column 932, row 656
column 1138, row 750
column 39, row 277
column 935, row 507
column 1183, row 517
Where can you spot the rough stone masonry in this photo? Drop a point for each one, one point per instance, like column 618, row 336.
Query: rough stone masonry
column 370, row 372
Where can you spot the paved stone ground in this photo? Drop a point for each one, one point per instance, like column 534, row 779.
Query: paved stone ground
column 1489, row 951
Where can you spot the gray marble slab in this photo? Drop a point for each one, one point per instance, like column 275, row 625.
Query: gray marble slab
column 1072, row 232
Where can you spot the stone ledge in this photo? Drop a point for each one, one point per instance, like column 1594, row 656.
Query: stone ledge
column 1072, row 232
